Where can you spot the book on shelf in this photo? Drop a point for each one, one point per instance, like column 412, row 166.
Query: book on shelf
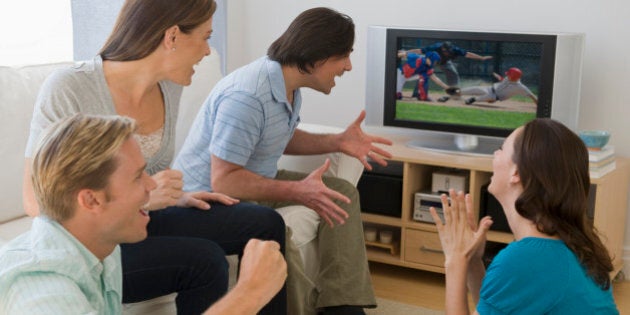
column 601, row 163
column 597, row 172
column 598, row 155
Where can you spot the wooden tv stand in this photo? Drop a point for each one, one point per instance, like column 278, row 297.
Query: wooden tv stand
column 418, row 242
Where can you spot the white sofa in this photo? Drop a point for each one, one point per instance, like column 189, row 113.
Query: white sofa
column 18, row 90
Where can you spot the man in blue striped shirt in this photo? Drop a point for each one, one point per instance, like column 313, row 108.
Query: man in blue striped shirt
column 90, row 181
column 250, row 119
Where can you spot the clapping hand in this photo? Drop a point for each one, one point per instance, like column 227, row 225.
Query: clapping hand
column 459, row 235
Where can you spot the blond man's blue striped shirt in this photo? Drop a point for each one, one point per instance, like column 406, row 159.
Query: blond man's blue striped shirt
column 48, row 271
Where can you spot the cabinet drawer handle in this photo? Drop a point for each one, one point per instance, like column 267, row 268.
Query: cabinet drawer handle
column 431, row 250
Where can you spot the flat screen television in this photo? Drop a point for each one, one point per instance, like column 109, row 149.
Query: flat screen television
column 500, row 81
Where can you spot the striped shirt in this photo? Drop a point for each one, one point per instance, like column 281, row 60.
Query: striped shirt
column 247, row 120
column 48, row 271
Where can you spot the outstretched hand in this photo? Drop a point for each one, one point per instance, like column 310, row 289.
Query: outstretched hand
column 313, row 193
column 459, row 234
column 356, row 143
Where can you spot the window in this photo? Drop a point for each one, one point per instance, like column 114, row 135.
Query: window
column 35, row 32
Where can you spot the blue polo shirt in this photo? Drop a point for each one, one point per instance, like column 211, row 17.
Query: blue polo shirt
column 246, row 120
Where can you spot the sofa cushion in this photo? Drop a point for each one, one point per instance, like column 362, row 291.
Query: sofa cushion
column 303, row 221
column 19, row 90
column 13, row 228
column 163, row 305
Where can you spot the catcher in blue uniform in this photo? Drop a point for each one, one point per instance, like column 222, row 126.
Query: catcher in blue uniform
column 420, row 67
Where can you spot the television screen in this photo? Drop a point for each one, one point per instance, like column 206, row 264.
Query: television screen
column 470, row 83
column 496, row 81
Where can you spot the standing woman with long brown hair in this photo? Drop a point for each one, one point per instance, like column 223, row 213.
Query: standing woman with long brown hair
column 140, row 73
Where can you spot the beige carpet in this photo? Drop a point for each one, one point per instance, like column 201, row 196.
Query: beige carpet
column 389, row 307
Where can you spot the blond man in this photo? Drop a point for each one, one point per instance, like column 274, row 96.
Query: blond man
column 90, row 182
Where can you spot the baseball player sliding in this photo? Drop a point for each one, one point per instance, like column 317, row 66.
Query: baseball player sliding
column 508, row 86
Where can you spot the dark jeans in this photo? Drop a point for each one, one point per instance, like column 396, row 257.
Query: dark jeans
column 185, row 253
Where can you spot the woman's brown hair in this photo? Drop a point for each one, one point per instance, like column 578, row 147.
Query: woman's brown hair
column 552, row 163
column 141, row 24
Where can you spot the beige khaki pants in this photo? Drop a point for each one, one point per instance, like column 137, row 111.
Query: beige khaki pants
column 343, row 277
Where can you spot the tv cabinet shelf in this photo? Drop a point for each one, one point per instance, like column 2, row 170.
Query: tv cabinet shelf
column 419, row 245
column 391, row 247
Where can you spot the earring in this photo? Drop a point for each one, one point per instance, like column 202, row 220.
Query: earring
column 173, row 49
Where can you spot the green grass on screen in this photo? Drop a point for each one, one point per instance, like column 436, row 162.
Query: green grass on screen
column 461, row 115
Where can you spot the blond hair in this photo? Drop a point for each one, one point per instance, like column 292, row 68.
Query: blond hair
column 76, row 153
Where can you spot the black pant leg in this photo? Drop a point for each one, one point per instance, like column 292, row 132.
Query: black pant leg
column 195, row 268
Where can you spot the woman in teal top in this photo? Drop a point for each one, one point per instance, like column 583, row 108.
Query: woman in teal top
column 557, row 263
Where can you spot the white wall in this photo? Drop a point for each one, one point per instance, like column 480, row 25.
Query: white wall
column 254, row 24
column 35, row 36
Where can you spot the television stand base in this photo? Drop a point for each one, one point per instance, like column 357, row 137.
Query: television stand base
column 458, row 144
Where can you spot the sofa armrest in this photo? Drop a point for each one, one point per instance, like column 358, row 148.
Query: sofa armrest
column 11, row 229
column 341, row 165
